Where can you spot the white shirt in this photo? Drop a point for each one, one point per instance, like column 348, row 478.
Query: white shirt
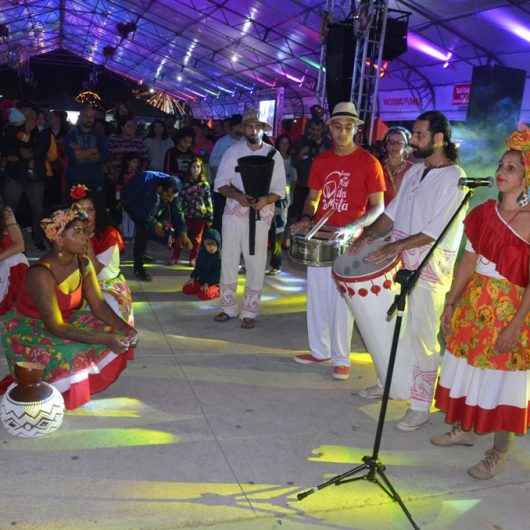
column 425, row 206
column 227, row 175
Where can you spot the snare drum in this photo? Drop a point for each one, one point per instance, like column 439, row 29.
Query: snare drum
column 320, row 251
column 369, row 289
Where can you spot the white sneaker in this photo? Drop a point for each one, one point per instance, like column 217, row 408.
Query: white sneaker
column 413, row 419
column 372, row 392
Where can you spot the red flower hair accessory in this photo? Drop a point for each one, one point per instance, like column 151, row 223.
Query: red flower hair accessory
column 78, row 192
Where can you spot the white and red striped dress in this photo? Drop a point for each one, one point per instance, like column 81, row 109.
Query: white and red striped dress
column 479, row 388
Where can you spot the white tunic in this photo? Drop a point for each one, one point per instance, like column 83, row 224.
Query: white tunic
column 425, row 206
column 226, row 175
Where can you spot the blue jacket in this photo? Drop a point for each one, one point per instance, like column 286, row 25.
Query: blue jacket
column 142, row 201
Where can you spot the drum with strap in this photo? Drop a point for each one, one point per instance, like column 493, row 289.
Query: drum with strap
column 369, row 289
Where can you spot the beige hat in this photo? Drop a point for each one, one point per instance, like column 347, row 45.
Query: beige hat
column 345, row 109
column 252, row 116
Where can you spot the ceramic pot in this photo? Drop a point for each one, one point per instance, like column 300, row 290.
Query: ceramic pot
column 31, row 407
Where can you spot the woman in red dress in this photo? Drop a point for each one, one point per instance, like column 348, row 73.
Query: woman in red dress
column 13, row 262
column 83, row 351
column 484, row 384
column 106, row 245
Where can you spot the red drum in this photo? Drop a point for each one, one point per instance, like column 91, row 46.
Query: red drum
column 369, row 289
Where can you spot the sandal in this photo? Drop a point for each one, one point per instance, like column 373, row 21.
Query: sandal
column 248, row 323
column 222, row 317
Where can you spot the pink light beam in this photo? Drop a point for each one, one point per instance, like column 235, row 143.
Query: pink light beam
column 428, row 48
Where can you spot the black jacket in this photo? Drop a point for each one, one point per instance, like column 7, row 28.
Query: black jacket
column 208, row 266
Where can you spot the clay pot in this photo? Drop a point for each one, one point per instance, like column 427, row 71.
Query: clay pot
column 31, row 408
column 30, row 386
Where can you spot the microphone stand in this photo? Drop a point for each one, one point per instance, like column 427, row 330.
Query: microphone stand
column 373, row 469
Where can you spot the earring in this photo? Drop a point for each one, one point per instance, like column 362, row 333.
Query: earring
column 60, row 254
column 522, row 200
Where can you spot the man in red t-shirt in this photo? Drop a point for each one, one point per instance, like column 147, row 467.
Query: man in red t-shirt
column 349, row 180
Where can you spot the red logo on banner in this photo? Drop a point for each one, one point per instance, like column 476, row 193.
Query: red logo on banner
column 461, row 94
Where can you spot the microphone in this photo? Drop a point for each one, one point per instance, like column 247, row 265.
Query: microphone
column 468, row 182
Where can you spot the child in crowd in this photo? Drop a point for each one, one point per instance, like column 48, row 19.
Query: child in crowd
column 196, row 203
column 204, row 280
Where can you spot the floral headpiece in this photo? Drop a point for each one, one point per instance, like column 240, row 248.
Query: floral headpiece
column 78, row 192
column 55, row 225
column 520, row 141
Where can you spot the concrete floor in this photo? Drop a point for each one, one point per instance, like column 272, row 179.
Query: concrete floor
column 216, row 427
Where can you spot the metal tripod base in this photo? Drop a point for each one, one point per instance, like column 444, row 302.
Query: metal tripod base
column 375, row 472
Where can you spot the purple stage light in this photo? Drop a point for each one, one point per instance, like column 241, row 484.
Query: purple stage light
column 428, row 48
column 508, row 22
column 297, row 80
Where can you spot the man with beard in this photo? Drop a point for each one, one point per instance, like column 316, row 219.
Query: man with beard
column 349, row 181
column 428, row 197
column 236, row 222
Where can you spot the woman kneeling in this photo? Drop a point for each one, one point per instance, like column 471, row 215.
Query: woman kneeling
column 83, row 351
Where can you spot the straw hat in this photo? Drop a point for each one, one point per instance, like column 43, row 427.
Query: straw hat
column 345, row 109
column 252, row 116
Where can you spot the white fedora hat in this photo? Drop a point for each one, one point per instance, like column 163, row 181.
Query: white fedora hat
column 345, row 109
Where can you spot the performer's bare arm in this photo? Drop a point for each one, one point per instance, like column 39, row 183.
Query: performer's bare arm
column 509, row 336
column 376, row 207
column 271, row 198
column 380, row 228
column 41, row 285
column 463, row 274
column 397, row 247
column 13, row 229
column 310, row 209
column 231, row 192
column 99, row 307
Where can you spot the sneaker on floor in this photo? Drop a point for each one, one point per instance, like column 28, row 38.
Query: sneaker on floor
column 372, row 392
column 456, row 436
column 342, row 373
column 412, row 420
column 273, row 272
column 307, row 358
column 489, row 466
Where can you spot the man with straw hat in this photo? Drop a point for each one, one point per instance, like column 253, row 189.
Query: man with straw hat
column 350, row 181
column 236, row 227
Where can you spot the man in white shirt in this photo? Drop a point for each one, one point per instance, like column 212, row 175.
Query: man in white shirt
column 428, row 197
column 236, row 223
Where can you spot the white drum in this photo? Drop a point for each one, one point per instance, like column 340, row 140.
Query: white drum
column 369, row 289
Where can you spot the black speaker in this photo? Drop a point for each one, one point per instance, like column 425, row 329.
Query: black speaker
column 395, row 38
column 496, row 97
column 340, row 50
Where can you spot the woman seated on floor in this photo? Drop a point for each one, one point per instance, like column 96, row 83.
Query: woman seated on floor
column 83, row 351
column 106, row 243
column 13, row 262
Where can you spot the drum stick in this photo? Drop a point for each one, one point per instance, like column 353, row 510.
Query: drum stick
column 319, row 225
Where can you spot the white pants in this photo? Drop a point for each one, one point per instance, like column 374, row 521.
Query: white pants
column 329, row 318
column 420, row 338
column 235, row 243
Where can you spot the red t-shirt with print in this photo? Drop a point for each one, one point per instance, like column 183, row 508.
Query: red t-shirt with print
column 345, row 182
